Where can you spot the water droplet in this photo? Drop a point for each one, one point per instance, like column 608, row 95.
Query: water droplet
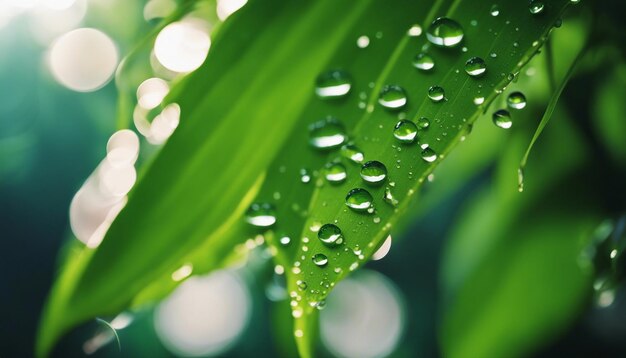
column 429, row 155
column 333, row 84
column 502, row 118
column 475, row 66
column 353, row 153
column 359, row 199
column 335, row 172
column 520, row 179
column 363, row 41
column 392, row 97
column 405, row 131
column 305, row 177
column 445, row 32
column 327, row 133
column 389, row 198
column 373, row 172
column 479, row 100
column 495, row 11
column 261, row 215
column 330, row 235
column 423, row 61
column 516, row 100
column 436, row 93
column 423, row 122
column 415, row 30
column 284, row 240
column 536, row 6
column 301, row 285
column 320, row 260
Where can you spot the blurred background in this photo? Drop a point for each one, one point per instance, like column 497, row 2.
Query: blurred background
column 59, row 120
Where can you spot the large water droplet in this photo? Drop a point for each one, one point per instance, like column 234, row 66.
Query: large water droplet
column 261, row 214
column 327, row 133
column 335, row 172
column 373, row 172
column 423, row 122
column 359, row 199
column 475, row 66
column 320, row 260
column 333, row 84
column 392, row 97
column 330, row 235
column 353, row 153
column 516, row 100
column 423, row 61
column 536, row 7
column 502, row 118
column 445, row 32
column 405, row 131
column 429, row 155
column 436, row 93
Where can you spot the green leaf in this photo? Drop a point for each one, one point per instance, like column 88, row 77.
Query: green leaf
column 238, row 110
column 513, row 37
column 608, row 106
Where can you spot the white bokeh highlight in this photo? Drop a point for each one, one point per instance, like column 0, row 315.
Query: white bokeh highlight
column 83, row 60
column 364, row 317
column 182, row 46
column 205, row 315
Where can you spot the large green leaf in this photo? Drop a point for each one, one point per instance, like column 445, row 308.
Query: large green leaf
column 237, row 110
column 506, row 42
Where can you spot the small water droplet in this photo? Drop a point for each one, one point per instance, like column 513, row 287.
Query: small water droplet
column 405, row 131
column 363, row 41
column 493, row 55
column 479, row 100
column 495, row 11
column 305, row 177
column 520, row 180
column 373, row 172
column 536, row 6
column 327, row 133
column 261, row 215
column 359, row 199
column 392, row 97
column 436, row 93
column 353, row 153
column 423, row 61
column 333, row 84
column 301, row 285
column 475, row 66
column 389, row 198
column 423, row 122
column 320, row 260
column 445, row 32
column 284, row 240
column 516, row 100
column 330, row 235
column 502, row 118
column 335, row 172
column 429, row 155
column 415, row 30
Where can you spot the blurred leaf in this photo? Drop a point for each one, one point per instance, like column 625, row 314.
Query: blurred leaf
column 609, row 109
column 506, row 42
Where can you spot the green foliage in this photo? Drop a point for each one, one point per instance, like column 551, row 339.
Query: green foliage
column 244, row 138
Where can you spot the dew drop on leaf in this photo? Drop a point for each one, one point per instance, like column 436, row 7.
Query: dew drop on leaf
column 516, row 100
column 359, row 199
column 445, row 32
column 301, row 285
column 389, row 198
column 436, row 93
column 423, row 122
column 333, row 84
column 373, row 172
column 502, row 118
column 335, row 172
column 362, row 41
column 320, row 260
column 352, row 153
column 536, row 6
column 327, row 133
column 495, row 11
column 392, row 97
column 423, row 61
column 415, row 30
column 405, row 131
column 330, row 235
column 475, row 66
column 261, row 215
column 284, row 240
column 429, row 155
column 305, row 177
